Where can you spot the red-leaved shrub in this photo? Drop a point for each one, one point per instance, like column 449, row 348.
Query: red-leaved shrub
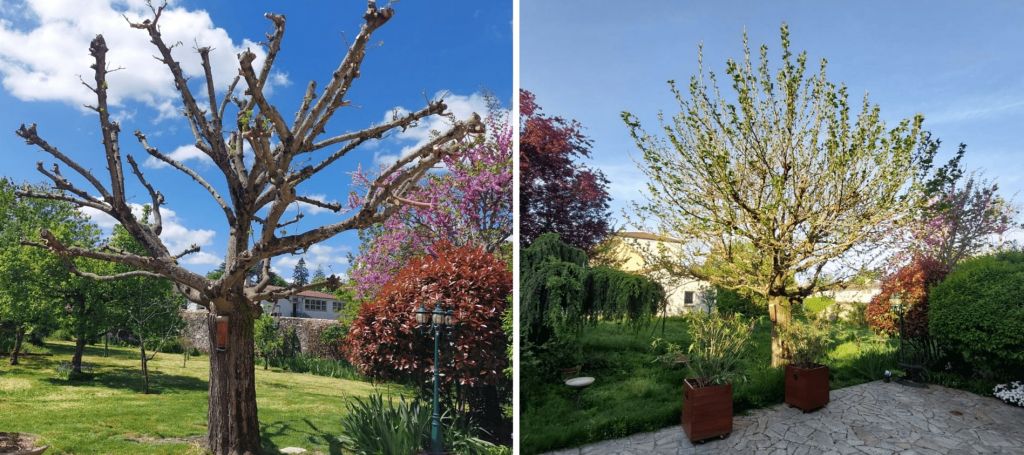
column 384, row 341
column 911, row 282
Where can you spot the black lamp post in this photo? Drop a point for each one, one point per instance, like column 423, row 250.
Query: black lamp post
column 439, row 320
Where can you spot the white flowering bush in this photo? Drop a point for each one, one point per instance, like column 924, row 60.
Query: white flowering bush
column 1012, row 393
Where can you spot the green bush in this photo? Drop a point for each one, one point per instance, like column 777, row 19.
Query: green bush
column 717, row 347
column 977, row 312
column 730, row 302
column 805, row 344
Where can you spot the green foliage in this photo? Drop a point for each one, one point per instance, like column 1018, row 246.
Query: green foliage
column 976, row 313
column 267, row 339
column 305, row 363
column 333, row 339
column 379, row 426
column 559, row 294
column 814, row 305
column 615, row 295
column 805, row 344
column 729, row 302
column 716, row 347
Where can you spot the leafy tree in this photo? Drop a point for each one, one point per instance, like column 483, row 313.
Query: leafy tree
column 783, row 167
column 557, row 193
column 470, row 204
column 269, row 342
column 319, row 276
column 254, row 194
column 559, row 294
column 33, row 281
column 385, row 342
column 150, row 307
column 300, row 276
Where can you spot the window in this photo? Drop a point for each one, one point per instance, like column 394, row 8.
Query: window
column 337, row 306
column 316, row 305
column 688, row 298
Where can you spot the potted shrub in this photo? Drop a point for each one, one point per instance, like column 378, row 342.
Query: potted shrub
column 713, row 358
column 804, row 345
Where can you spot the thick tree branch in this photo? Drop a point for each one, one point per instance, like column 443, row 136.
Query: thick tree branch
column 31, row 137
column 191, row 173
column 280, row 293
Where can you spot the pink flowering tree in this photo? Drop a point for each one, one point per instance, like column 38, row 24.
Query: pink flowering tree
column 468, row 202
column 963, row 215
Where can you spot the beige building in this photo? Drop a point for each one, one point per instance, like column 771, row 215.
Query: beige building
column 625, row 250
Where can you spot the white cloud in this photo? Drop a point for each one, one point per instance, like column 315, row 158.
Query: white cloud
column 175, row 235
column 462, row 107
column 331, row 258
column 181, row 154
column 43, row 61
column 311, row 209
column 279, row 78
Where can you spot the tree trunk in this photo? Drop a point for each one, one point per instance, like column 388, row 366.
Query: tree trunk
column 19, row 335
column 782, row 313
column 76, row 358
column 145, row 367
column 234, row 427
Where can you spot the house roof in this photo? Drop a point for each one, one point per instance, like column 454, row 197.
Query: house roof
column 311, row 294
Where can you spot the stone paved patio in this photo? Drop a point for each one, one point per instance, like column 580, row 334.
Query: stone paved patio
column 872, row 418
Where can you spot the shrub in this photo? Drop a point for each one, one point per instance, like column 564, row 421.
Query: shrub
column 729, row 302
column 379, row 426
column 717, row 348
column 267, row 339
column 911, row 283
column 385, row 342
column 805, row 344
column 332, row 338
column 306, row 363
column 977, row 313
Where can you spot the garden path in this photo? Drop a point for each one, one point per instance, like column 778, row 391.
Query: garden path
column 872, row 418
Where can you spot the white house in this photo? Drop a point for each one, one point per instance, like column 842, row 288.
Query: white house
column 306, row 304
column 683, row 294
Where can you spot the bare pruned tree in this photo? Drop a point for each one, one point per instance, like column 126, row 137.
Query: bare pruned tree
column 258, row 192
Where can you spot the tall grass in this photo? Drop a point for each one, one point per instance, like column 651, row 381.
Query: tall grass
column 305, row 363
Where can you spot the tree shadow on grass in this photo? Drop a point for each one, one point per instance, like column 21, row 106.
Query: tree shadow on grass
column 131, row 379
column 313, row 436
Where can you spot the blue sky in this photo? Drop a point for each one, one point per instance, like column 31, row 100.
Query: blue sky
column 958, row 63
column 461, row 48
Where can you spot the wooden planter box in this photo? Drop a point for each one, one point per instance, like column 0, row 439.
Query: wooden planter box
column 807, row 388
column 707, row 411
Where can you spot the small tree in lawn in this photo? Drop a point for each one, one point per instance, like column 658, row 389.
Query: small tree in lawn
column 557, row 193
column 254, row 193
column 149, row 307
column 267, row 338
column 783, row 167
column 384, row 341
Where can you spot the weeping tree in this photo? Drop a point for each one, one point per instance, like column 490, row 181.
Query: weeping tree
column 560, row 294
column 781, row 167
column 253, row 192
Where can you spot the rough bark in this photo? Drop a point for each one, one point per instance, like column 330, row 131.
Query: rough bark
column 782, row 309
column 19, row 336
column 233, row 422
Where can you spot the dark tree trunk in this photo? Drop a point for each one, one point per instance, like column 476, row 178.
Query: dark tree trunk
column 234, row 427
column 19, row 336
column 145, row 367
column 76, row 358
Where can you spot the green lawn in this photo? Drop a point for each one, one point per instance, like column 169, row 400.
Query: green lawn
column 814, row 305
column 108, row 414
column 633, row 393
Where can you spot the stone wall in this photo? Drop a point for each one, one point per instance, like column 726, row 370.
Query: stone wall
column 306, row 329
